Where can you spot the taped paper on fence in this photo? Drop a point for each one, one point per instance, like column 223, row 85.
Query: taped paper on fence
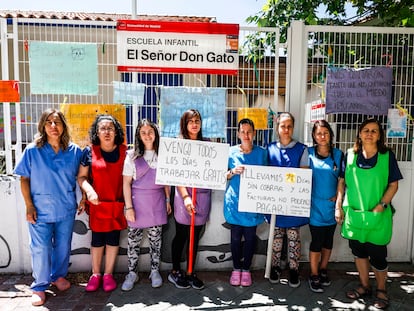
column 366, row 91
column 9, row 91
column 129, row 93
column 257, row 115
column 81, row 116
column 63, row 68
column 210, row 102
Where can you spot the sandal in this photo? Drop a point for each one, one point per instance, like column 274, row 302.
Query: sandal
column 359, row 292
column 382, row 303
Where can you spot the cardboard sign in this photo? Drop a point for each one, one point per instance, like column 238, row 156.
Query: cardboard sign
column 9, row 91
column 276, row 190
column 193, row 47
column 192, row 163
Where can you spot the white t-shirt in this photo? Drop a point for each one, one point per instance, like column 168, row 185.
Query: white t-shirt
column 129, row 164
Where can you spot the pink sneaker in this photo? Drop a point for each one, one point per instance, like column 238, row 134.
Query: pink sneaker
column 94, row 283
column 246, row 278
column 109, row 283
column 235, row 278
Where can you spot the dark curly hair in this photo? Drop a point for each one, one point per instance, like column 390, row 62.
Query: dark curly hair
column 185, row 118
column 40, row 138
column 382, row 148
column 139, row 147
column 119, row 131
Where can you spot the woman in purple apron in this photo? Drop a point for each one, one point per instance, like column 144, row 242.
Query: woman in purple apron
column 147, row 204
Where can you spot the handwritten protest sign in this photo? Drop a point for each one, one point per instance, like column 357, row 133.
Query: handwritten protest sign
column 276, row 190
column 366, row 91
column 9, row 91
column 192, row 163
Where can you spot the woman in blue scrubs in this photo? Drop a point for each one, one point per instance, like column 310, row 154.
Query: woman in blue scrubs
column 48, row 170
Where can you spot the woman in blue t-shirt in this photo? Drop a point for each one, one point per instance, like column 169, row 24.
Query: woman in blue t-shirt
column 325, row 162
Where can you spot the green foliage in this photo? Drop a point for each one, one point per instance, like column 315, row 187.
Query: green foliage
column 280, row 13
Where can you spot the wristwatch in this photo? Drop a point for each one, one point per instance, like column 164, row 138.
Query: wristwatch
column 384, row 205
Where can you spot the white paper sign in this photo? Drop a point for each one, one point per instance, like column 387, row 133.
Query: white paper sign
column 192, row 163
column 276, row 190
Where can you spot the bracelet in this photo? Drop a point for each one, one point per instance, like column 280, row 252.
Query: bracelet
column 167, row 200
column 186, row 196
column 127, row 208
column 384, row 205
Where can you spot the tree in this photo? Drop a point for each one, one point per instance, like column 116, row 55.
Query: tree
column 279, row 13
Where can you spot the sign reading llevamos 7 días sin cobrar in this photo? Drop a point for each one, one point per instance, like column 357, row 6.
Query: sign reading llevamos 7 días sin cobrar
column 192, row 163
column 275, row 190
column 181, row 47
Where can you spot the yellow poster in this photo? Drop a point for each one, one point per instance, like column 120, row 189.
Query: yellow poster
column 257, row 115
column 81, row 116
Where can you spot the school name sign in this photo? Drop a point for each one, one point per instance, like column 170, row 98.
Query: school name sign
column 192, row 163
column 178, row 47
column 276, row 190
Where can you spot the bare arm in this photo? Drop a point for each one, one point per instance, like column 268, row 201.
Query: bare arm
column 31, row 213
column 86, row 186
column 340, row 192
column 188, row 202
column 167, row 190
column 387, row 197
column 129, row 207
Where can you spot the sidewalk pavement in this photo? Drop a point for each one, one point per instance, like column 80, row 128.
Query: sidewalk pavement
column 218, row 294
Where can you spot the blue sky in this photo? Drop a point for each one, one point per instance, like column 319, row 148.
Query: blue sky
column 226, row 11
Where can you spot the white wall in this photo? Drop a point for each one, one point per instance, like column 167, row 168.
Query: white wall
column 214, row 249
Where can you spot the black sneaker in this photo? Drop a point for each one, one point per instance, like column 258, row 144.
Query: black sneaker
column 194, row 281
column 323, row 277
column 275, row 275
column 294, row 278
column 177, row 278
column 315, row 284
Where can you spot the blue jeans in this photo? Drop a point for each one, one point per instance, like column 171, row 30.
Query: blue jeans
column 50, row 245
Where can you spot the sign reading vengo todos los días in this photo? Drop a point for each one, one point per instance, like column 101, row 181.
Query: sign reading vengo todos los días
column 181, row 47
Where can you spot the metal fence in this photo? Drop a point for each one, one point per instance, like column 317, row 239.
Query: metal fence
column 363, row 47
column 255, row 86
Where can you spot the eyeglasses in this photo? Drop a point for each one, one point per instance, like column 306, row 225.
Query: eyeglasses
column 106, row 129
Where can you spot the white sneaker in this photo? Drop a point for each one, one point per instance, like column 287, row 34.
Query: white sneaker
column 130, row 279
column 156, row 279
